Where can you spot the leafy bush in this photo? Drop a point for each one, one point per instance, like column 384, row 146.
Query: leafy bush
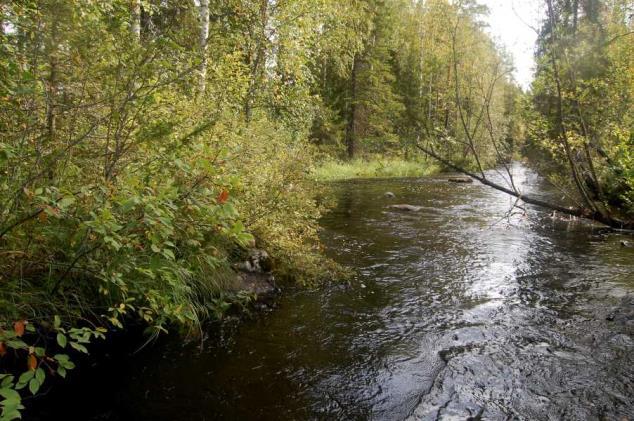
column 126, row 187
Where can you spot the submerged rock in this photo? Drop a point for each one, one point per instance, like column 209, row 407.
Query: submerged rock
column 464, row 180
column 407, row 208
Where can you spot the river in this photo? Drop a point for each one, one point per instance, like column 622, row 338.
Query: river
column 457, row 311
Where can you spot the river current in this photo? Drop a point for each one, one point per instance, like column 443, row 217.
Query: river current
column 458, row 311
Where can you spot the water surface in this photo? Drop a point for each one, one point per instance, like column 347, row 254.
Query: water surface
column 457, row 311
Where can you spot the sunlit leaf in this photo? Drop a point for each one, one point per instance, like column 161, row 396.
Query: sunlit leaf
column 62, row 340
column 34, row 385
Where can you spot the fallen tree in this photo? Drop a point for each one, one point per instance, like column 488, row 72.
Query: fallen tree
column 579, row 212
column 479, row 141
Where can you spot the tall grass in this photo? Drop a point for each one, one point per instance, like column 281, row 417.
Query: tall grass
column 373, row 168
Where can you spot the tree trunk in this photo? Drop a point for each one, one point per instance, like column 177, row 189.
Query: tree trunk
column 259, row 62
column 203, row 41
column 351, row 128
column 51, row 90
column 563, row 131
column 52, row 47
column 575, row 17
column 135, row 25
column 578, row 212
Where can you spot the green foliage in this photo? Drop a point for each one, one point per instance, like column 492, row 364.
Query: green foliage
column 20, row 341
column 376, row 168
column 127, row 185
column 459, row 93
column 412, row 69
column 581, row 114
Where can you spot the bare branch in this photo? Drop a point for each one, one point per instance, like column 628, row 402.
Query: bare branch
column 578, row 212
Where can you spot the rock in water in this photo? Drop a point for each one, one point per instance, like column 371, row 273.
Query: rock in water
column 464, row 180
column 625, row 244
column 407, row 208
column 390, row 195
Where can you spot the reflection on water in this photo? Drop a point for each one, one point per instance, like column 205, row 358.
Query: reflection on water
column 456, row 312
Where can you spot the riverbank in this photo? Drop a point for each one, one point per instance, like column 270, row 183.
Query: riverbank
column 252, row 293
column 446, row 302
column 373, row 168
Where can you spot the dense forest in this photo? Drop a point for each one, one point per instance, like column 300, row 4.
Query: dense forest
column 146, row 144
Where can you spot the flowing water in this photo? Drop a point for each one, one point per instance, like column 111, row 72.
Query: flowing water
column 459, row 311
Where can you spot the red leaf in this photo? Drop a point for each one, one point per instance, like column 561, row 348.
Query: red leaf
column 19, row 327
column 3, row 350
column 223, row 196
column 32, row 362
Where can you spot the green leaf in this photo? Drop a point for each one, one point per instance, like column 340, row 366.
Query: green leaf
column 61, row 371
column 114, row 243
column 61, row 358
column 79, row 347
column 10, row 394
column 62, row 340
column 40, row 375
column 10, row 414
column 115, row 322
column 129, row 204
column 7, row 381
column 17, row 344
column 64, row 361
column 11, row 410
column 24, row 379
column 66, row 202
column 34, row 385
column 57, row 322
column 169, row 254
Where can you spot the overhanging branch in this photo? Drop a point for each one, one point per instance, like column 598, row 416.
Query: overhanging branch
column 578, row 212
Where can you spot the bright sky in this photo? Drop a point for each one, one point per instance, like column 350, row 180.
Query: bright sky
column 509, row 23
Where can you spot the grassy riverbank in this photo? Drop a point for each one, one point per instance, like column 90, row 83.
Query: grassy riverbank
column 373, row 168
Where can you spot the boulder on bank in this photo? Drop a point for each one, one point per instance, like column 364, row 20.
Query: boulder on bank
column 463, row 180
column 406, row 208
column 257, row 261
column 254, row 275
column 261, row 284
